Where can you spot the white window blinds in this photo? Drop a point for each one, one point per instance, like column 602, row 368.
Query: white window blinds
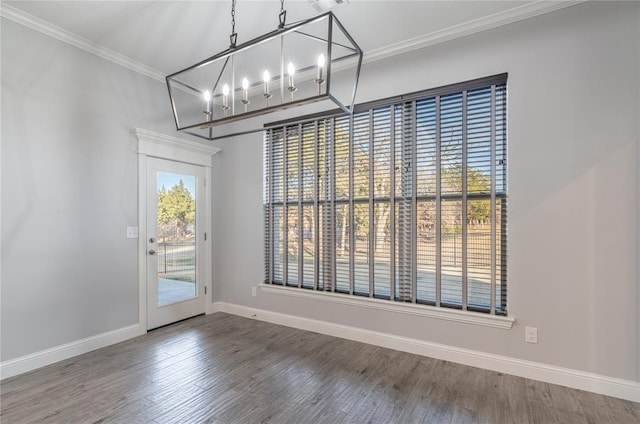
column 404, row 201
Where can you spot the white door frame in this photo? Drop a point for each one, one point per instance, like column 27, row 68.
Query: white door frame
column 152, row 144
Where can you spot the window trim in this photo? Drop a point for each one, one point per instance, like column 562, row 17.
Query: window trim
column 451, row 312
column 421, row 310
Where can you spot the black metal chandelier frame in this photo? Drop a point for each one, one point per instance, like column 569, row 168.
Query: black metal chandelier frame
column 176, row 81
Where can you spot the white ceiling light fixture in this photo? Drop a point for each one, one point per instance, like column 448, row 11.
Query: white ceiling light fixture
column 291, row 66
column 325, row 5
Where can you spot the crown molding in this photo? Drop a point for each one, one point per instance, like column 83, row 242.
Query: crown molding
column 16, row 15
column 474, row 26
column 506, row 17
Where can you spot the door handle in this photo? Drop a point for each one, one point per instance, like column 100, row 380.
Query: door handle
column 152, row 252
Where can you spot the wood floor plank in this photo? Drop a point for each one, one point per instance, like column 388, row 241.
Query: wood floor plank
column 567, row 417
column 223, row 369
column 541, row 403
column 513, row 393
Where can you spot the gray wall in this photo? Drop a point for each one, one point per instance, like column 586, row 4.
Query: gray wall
column 69, row 190
column 573, row 191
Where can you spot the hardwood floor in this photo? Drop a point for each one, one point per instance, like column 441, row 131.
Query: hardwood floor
column 226, row 369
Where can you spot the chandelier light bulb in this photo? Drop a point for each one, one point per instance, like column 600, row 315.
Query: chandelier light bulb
column 207, row 103
column 291, row 70
column 225, row 97
column 319, row 79
column 245, row 92
column 266, row 78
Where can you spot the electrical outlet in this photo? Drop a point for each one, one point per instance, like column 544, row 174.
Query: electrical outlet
column 254, row 291
column 531, row 334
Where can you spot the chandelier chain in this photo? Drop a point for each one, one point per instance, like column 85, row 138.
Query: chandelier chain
column 282, row 17
column 233, row 37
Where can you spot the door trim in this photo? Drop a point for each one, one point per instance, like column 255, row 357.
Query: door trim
column 152, row 144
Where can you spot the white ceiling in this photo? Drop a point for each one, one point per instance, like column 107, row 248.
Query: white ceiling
column 170, row 35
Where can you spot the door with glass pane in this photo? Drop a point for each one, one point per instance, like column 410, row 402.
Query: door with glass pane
column 175, row 236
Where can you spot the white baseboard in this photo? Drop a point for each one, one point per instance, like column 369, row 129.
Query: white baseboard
column 49, row 356
column 619, row 388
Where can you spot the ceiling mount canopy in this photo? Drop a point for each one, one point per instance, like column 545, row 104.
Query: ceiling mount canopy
column 296, row 64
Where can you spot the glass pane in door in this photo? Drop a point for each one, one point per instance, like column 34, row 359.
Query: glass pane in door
column 176, row 237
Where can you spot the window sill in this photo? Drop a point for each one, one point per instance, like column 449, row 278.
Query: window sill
column 467, row 317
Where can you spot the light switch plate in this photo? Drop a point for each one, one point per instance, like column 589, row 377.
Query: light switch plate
column 132, row 232
column 531, row 335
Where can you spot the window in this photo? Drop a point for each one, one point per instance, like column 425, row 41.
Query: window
column 406, row 201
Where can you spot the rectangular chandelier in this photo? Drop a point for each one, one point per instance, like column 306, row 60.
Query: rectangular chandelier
column 310, row 61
